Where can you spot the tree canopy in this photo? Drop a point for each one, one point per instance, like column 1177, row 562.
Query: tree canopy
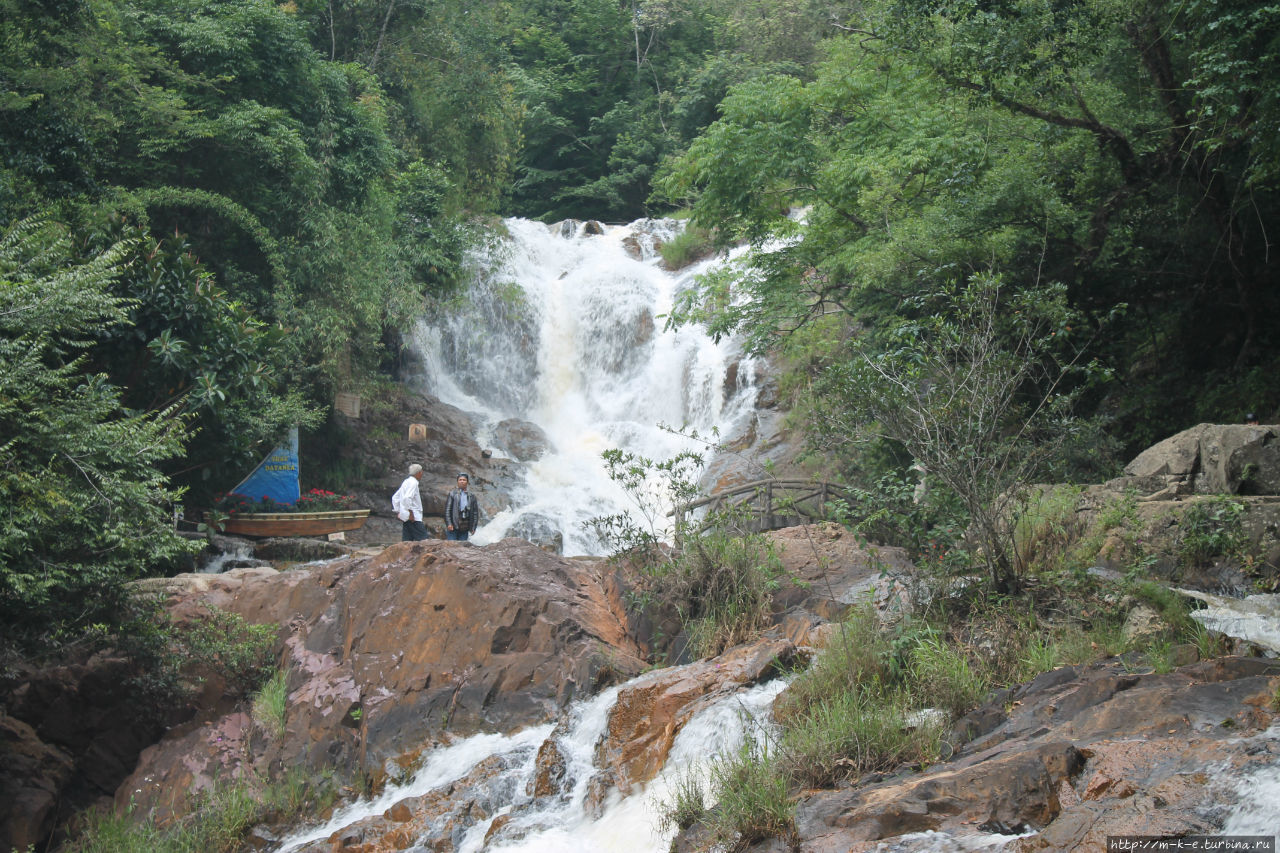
column 270, row 191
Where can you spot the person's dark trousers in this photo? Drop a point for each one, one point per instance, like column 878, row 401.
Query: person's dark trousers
column 456, row 535
column 413, row 531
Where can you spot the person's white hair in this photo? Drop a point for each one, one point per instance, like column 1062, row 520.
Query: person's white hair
column 414, row 469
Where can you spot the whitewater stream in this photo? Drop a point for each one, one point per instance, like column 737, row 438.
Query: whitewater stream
column 564, row 329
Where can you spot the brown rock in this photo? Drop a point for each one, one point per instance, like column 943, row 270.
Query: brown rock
column 34, row 773
column 1213, row 459
column 550, row 770
column 647, row 716
column 1012, row 790
column 422, row 639
column 1084, row 752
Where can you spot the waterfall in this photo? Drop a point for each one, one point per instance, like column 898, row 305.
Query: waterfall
column 564, row 328
column 565, row 824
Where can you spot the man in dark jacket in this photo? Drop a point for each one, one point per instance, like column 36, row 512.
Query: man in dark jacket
column 460, row 512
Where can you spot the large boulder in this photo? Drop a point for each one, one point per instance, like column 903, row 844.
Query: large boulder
column 35, row 774
column 648, row 714
column 524, row 441
column 69, row 735
column 389, row 654
column 1209, row 459
column 377, row 446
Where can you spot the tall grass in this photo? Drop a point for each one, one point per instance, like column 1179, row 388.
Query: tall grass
column 753, row 799
column 689, row 246
column 270, row 702
column 217, row 822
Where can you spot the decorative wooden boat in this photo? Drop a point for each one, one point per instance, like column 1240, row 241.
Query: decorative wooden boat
column 293, row 523
column 276, row 478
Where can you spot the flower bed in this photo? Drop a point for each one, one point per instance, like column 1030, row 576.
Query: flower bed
column 315, row 500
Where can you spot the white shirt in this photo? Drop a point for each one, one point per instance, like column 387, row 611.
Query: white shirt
column 407, row 501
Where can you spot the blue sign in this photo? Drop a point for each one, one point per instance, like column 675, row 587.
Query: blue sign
column 276, row 477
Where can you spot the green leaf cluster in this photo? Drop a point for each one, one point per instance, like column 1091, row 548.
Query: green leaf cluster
column 84, row 505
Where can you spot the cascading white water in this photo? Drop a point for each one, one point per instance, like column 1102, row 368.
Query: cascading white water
column 1255, row 618
column 563, row 824
column 565, row 330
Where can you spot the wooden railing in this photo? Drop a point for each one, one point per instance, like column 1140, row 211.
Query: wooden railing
column 769, row 504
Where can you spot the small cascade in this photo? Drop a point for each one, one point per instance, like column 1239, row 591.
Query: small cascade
column 1255, row 618
column 444, row 765
column 564, row 329
column 239, row 551
column 568, row 822
column 1257, row 797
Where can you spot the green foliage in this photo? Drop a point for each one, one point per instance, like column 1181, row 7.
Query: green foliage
column 717, row 579
column 1212, row 527
column 944, row 677
column 752, row 798
column 271, row 702
column 851, row 712
column 240, row 653
column 84, row 506
column 1173, row 607
column 300, row 190
column 938, row 144
column 689, row 246
column 973, row 390
column 685, row 805
column 171, row 659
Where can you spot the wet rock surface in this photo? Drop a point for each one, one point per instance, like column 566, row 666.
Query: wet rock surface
column 390, row 654
column 1071, row 757
column 524, row 441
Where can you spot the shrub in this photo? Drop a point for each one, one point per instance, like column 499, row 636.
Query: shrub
column 238, row 651
column 86, row 506
column 718, row 580
column 170, row 658
column 1212, row 527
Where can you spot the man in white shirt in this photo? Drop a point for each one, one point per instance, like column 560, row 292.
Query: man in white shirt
column 407, row 502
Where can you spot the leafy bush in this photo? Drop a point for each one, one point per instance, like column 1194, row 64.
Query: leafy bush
column 84, row 505
column 717, row 579
column 171, row 658
column 1212, row 527
column 239, row 652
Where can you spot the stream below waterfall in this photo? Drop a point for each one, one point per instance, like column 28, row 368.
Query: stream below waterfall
column 564, row 328
column 567, row 824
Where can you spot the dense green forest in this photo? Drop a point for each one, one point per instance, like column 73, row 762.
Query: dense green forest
column 216, row 214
